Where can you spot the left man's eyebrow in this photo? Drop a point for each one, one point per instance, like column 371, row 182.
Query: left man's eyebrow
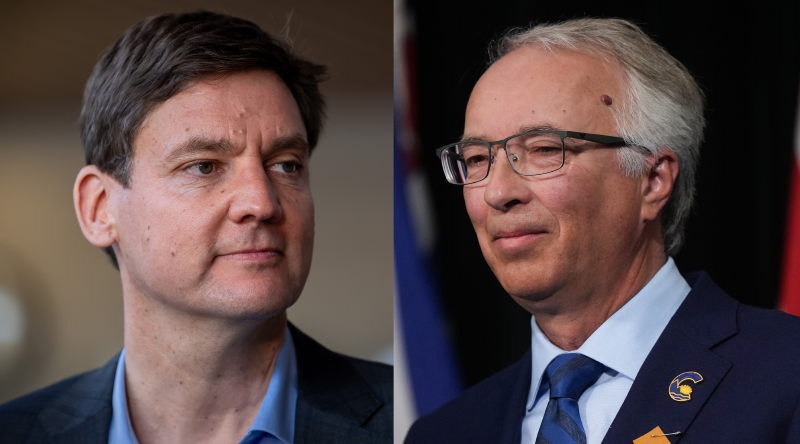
column 292, row 142
column 195, row 145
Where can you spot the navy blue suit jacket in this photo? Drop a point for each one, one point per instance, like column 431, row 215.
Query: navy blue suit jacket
column 749, row 359
column 340, row 400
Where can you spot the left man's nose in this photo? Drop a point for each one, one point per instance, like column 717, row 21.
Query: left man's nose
column 254, row 196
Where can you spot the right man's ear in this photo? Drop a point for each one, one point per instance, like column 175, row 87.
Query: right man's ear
column 91, row 196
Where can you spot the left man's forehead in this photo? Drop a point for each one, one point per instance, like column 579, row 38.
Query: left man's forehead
column 229, row 108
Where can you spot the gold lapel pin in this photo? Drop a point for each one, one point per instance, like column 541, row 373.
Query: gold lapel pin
column 680, row 392
column 655, row 436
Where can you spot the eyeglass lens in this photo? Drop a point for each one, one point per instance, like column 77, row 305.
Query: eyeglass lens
column 529, row 154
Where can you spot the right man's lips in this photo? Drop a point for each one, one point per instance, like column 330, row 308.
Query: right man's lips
column 518, row 240
column 519, row 232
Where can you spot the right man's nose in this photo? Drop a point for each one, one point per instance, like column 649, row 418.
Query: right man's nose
column 504, row 187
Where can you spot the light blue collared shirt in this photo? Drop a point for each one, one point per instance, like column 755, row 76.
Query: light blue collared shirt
column 621, row 343
column 274, row 423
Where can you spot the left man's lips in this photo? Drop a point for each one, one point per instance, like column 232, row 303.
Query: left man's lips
column 253, row 254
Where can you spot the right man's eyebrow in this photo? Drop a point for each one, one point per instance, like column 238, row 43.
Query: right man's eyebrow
column 539, row 127
column 520, row 130
column 196, row 145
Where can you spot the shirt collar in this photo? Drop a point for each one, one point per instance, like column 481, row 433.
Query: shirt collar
column 276, row 415
column 121, row 431
column 625, row 339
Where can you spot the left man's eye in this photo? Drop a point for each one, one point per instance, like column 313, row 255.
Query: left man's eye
column 286, row 167
column 203, row 168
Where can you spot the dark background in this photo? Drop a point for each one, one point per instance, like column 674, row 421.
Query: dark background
column 747, row 61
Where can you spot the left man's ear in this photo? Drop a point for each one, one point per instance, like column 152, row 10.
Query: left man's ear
column 91, row 196
column 659, row 183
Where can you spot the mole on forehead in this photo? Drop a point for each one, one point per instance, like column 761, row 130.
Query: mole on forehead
column 606, row 99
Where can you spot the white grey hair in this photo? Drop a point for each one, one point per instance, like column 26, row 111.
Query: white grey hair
column 662, row 107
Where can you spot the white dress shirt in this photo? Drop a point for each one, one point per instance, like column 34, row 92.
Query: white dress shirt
column 621, row 343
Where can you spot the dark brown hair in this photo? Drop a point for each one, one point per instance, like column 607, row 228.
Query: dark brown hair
column 165, row 54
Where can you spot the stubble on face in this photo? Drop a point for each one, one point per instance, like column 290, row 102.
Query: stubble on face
column 218, row 219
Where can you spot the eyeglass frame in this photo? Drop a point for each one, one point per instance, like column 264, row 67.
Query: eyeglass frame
column 598, row 138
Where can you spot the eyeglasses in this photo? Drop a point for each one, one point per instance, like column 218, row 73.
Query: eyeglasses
column 531, row 154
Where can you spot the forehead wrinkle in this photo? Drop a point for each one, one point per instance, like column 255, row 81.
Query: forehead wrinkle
column 196, row 145
column 522, row 129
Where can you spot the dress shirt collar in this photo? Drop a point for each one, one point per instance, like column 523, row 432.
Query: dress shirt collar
column 121, row 431
column 276, row 416
column 625, row 339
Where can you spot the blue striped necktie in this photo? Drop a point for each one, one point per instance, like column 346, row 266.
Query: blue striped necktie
column 569, row 375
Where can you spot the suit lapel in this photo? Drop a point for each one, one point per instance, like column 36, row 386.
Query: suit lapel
column 333, row 401
column 513, row 410
column 706, row 318
column 82, row 414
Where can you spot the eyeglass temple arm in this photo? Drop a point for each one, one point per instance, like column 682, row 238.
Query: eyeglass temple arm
column 606, row 140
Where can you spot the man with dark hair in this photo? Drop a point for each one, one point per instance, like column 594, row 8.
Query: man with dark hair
column 577, row 163
column 197, row 130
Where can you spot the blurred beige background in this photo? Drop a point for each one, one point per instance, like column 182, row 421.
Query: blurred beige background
column 60, row 299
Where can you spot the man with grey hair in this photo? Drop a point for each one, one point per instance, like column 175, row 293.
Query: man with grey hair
column 577, row 164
